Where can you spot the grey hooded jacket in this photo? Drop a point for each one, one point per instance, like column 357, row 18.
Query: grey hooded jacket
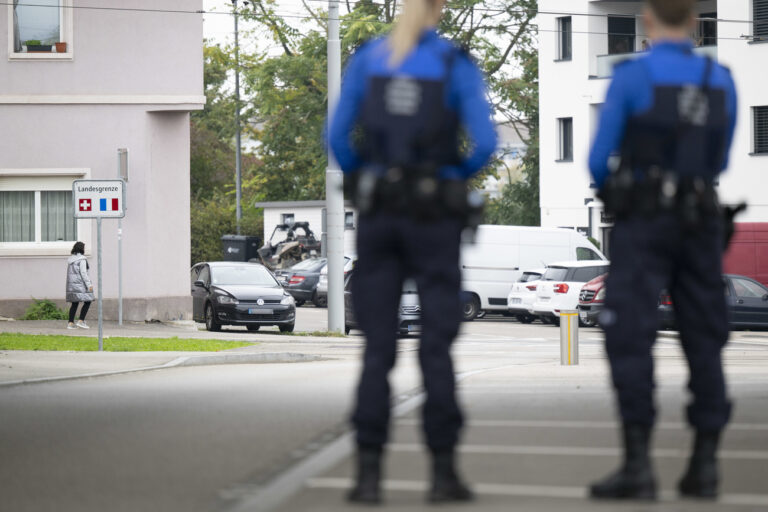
column 78, row 282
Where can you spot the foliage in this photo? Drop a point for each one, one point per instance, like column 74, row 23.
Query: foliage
column 33, row 42
column 16, row 341
column 44, row 309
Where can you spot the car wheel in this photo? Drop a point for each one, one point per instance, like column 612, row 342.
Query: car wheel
column 587, row 323
column 286, row 328
column 300, row 303
column 210, row 319
column 525, row 319
column 320, row 302
column 253, row 328
column 471, row 309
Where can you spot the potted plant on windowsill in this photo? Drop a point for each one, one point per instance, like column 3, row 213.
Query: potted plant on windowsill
column 61, row 47
column 35, row 46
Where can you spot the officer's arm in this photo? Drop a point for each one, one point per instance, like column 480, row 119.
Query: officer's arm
column 732, row 109
column 613, row 119
column 346, row 114
column 471, row 101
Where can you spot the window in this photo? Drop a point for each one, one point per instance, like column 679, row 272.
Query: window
column 585, row 254
column 621, row 35
column 565, row 129
column 37, row 212
column 37, row 216
column 205, row 275
column 706, row 31
column 760, row 115
column 288, row 218
column 349, row 220
column 748, row 289
column 760, row 18
column 40, row 28
column 586, row 274
column 564, row 38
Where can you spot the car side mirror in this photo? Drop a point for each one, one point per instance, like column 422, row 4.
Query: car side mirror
column 200, row 283
column 765, row 297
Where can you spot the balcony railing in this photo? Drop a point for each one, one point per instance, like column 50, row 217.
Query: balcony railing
column 606, row 63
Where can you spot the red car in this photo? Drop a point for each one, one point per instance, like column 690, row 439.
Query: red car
column 591, row 300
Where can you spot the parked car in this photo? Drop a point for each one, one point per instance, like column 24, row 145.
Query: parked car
column 409, row 312
column 560, row 287
column 746, row 299
column 322, row 283
column 301, row 281
column 235, row 293
column 591, row 299
column 523, row 294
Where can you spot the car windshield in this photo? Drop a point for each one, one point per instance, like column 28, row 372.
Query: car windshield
column 529, row 276
column 242, row 274
column 309, row 264
column 555, row 274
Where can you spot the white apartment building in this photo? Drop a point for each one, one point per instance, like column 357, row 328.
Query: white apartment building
column 79, row 80
column 581, row 41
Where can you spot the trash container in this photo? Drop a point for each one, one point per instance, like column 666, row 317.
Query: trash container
column 239, row 247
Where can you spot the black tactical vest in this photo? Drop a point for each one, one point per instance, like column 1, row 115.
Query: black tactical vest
column 406, row 123
column 684, row 132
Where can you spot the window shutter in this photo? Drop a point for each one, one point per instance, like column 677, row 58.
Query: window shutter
column 761, row 129
column 760, row 17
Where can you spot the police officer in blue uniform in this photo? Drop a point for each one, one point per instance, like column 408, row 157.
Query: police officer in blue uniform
column 395, row 134
column 671, row 116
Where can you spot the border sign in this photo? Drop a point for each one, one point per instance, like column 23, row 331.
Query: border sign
column 99, row 199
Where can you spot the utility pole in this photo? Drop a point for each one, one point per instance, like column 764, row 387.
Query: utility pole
column 334, row 196
column 238, row 157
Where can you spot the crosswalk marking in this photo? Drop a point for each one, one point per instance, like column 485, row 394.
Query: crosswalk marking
column 579, row 451
column 529, row 491
column 581, row 424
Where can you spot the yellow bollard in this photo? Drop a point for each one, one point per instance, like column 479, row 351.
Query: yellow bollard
column 569, row 337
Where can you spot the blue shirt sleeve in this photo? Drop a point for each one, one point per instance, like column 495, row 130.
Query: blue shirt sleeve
column 625, row 89
column 469, row 97
column 347, row 110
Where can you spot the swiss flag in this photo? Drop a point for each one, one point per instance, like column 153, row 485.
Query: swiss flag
column 85, row 205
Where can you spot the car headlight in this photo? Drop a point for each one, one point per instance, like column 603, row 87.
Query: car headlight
column 287, row 300
column 600, row 295
column 226, row 299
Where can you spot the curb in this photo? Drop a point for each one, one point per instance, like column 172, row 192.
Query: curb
column 266, row 358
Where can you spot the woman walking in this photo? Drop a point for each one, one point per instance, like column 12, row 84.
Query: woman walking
column 79, row 286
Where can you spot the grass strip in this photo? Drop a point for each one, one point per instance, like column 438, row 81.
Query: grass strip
column 17, row 341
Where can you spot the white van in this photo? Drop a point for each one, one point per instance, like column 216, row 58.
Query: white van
column 500, row 254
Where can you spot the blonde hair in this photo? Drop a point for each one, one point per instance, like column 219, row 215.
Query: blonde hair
column 414, row 18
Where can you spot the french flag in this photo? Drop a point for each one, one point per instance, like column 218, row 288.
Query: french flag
column 109, row 205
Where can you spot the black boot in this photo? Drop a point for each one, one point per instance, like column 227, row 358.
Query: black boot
column 446, row 484
column 634, row 480
column 366, row 488
column 701, row 478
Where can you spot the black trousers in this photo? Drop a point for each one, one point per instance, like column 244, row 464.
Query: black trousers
column 647, row 255
column 392, row 248
column 83, row 310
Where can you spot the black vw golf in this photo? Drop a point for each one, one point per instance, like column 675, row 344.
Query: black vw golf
column 233, row 293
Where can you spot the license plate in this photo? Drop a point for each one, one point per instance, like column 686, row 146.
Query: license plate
column 516, row 301
column 582, row 314
column 259, row 311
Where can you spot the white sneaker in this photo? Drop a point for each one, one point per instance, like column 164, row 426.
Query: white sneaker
column 70, row 325
column 81, row 324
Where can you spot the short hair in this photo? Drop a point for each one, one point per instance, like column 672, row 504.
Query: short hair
column 78, row 248
column 672, row 12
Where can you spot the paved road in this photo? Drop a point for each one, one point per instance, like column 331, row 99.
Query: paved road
column 245, row 437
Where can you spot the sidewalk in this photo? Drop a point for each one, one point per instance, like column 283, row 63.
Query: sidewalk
column 20, row 366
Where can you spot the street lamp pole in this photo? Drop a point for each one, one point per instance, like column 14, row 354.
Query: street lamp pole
column 333, row 185
column 238, row 155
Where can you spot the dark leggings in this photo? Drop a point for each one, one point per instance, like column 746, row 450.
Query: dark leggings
column 83, row 311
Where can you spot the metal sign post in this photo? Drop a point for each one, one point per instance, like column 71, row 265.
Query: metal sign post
column 122, row 173
column 99, row 199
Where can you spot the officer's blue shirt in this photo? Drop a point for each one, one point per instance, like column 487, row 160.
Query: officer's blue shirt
column 466, row 95
column 670, row 63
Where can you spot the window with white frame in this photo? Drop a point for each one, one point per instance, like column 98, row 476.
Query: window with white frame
column 760, row 115
column 760, row 18
column 36, row 210
column 40, row 28
column 288, row 218
column 565, row 143
column 564, row 38
column 349, row 220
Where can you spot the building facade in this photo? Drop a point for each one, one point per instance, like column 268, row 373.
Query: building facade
column 581, row 41
column 125, row 77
